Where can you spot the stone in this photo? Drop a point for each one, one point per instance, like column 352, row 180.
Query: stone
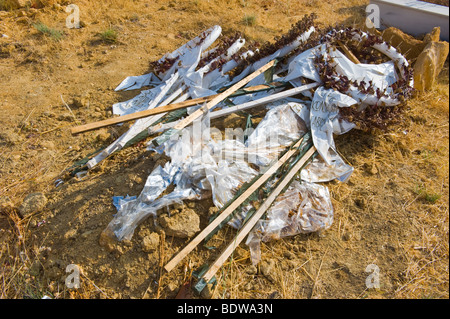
column 407, row 45
column 86, row 234
column 289, row 255
column 429, row 64
column 70, row 234
column 103, row 136
column 267, row 269
column 6, row 204
column 66, row 117
column 107, row 241
column 33, row 203
column 433, row 36
column 36, row 268
column 251, row 270
column 347, row 236
column 9, row 138
column 49, row 145
column 150, row 242
column 182, row 225
column 16, row 4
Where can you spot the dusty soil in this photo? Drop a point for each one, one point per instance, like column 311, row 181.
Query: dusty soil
column 393, row 212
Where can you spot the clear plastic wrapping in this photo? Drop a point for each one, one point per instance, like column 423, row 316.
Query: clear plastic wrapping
column 303, row 208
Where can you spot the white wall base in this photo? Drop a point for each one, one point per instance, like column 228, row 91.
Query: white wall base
column 414, row 17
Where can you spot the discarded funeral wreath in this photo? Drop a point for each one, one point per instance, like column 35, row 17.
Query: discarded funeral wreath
column 264, row 180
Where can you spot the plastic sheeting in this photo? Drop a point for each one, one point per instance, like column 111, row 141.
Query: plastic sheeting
column 303, row 208
column 201, row 166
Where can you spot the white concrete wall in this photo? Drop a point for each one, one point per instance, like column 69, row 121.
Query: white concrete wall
column 413, row 17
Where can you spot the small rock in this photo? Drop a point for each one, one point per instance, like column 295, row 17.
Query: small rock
column 33, row 203
column 150, row 242
column 86, row 234
column 182, row 225
column 48, row 145
column 76, row 102
column 66, row 117
column 70, row 234
column 347, row 236
column 103, row 136
column 172, row 287
column 289, row 255
column 267, row 269
column 48, row 114
column 191, row 204
column 251, row 270
column 9, row 138
column 6, row 204
column 35, row 268
column 107, row 240
column 213, row 210
column 144, row 232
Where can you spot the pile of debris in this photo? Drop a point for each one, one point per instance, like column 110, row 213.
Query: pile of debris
column 264, row 180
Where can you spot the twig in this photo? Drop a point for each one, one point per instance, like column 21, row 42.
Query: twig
column 161, row 263
column 92, row 283
column 26, row 119
column 318, row 273
column 54, row 129
column 68, row 107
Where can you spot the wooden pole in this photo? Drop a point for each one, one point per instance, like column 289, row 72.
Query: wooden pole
column 258, row 214
column 217, row 99
column 230, row 209
column 158, row 110
column 348, row 53
column 244, row 106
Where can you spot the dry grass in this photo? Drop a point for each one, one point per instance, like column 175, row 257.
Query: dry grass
column 400, row 176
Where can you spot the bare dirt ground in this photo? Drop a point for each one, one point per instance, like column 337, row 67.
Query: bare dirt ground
column 393, row 212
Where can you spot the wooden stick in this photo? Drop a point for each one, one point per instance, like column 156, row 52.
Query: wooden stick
column 264, row 100
column 244, row 106
column 158, row 110
column 235, row 204
column 258, row 214
column 348, row 53
column 217, row 99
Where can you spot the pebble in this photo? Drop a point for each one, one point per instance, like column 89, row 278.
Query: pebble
column 150, row 242
column 33, row 203
column 70, row 234
column 182, row 225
